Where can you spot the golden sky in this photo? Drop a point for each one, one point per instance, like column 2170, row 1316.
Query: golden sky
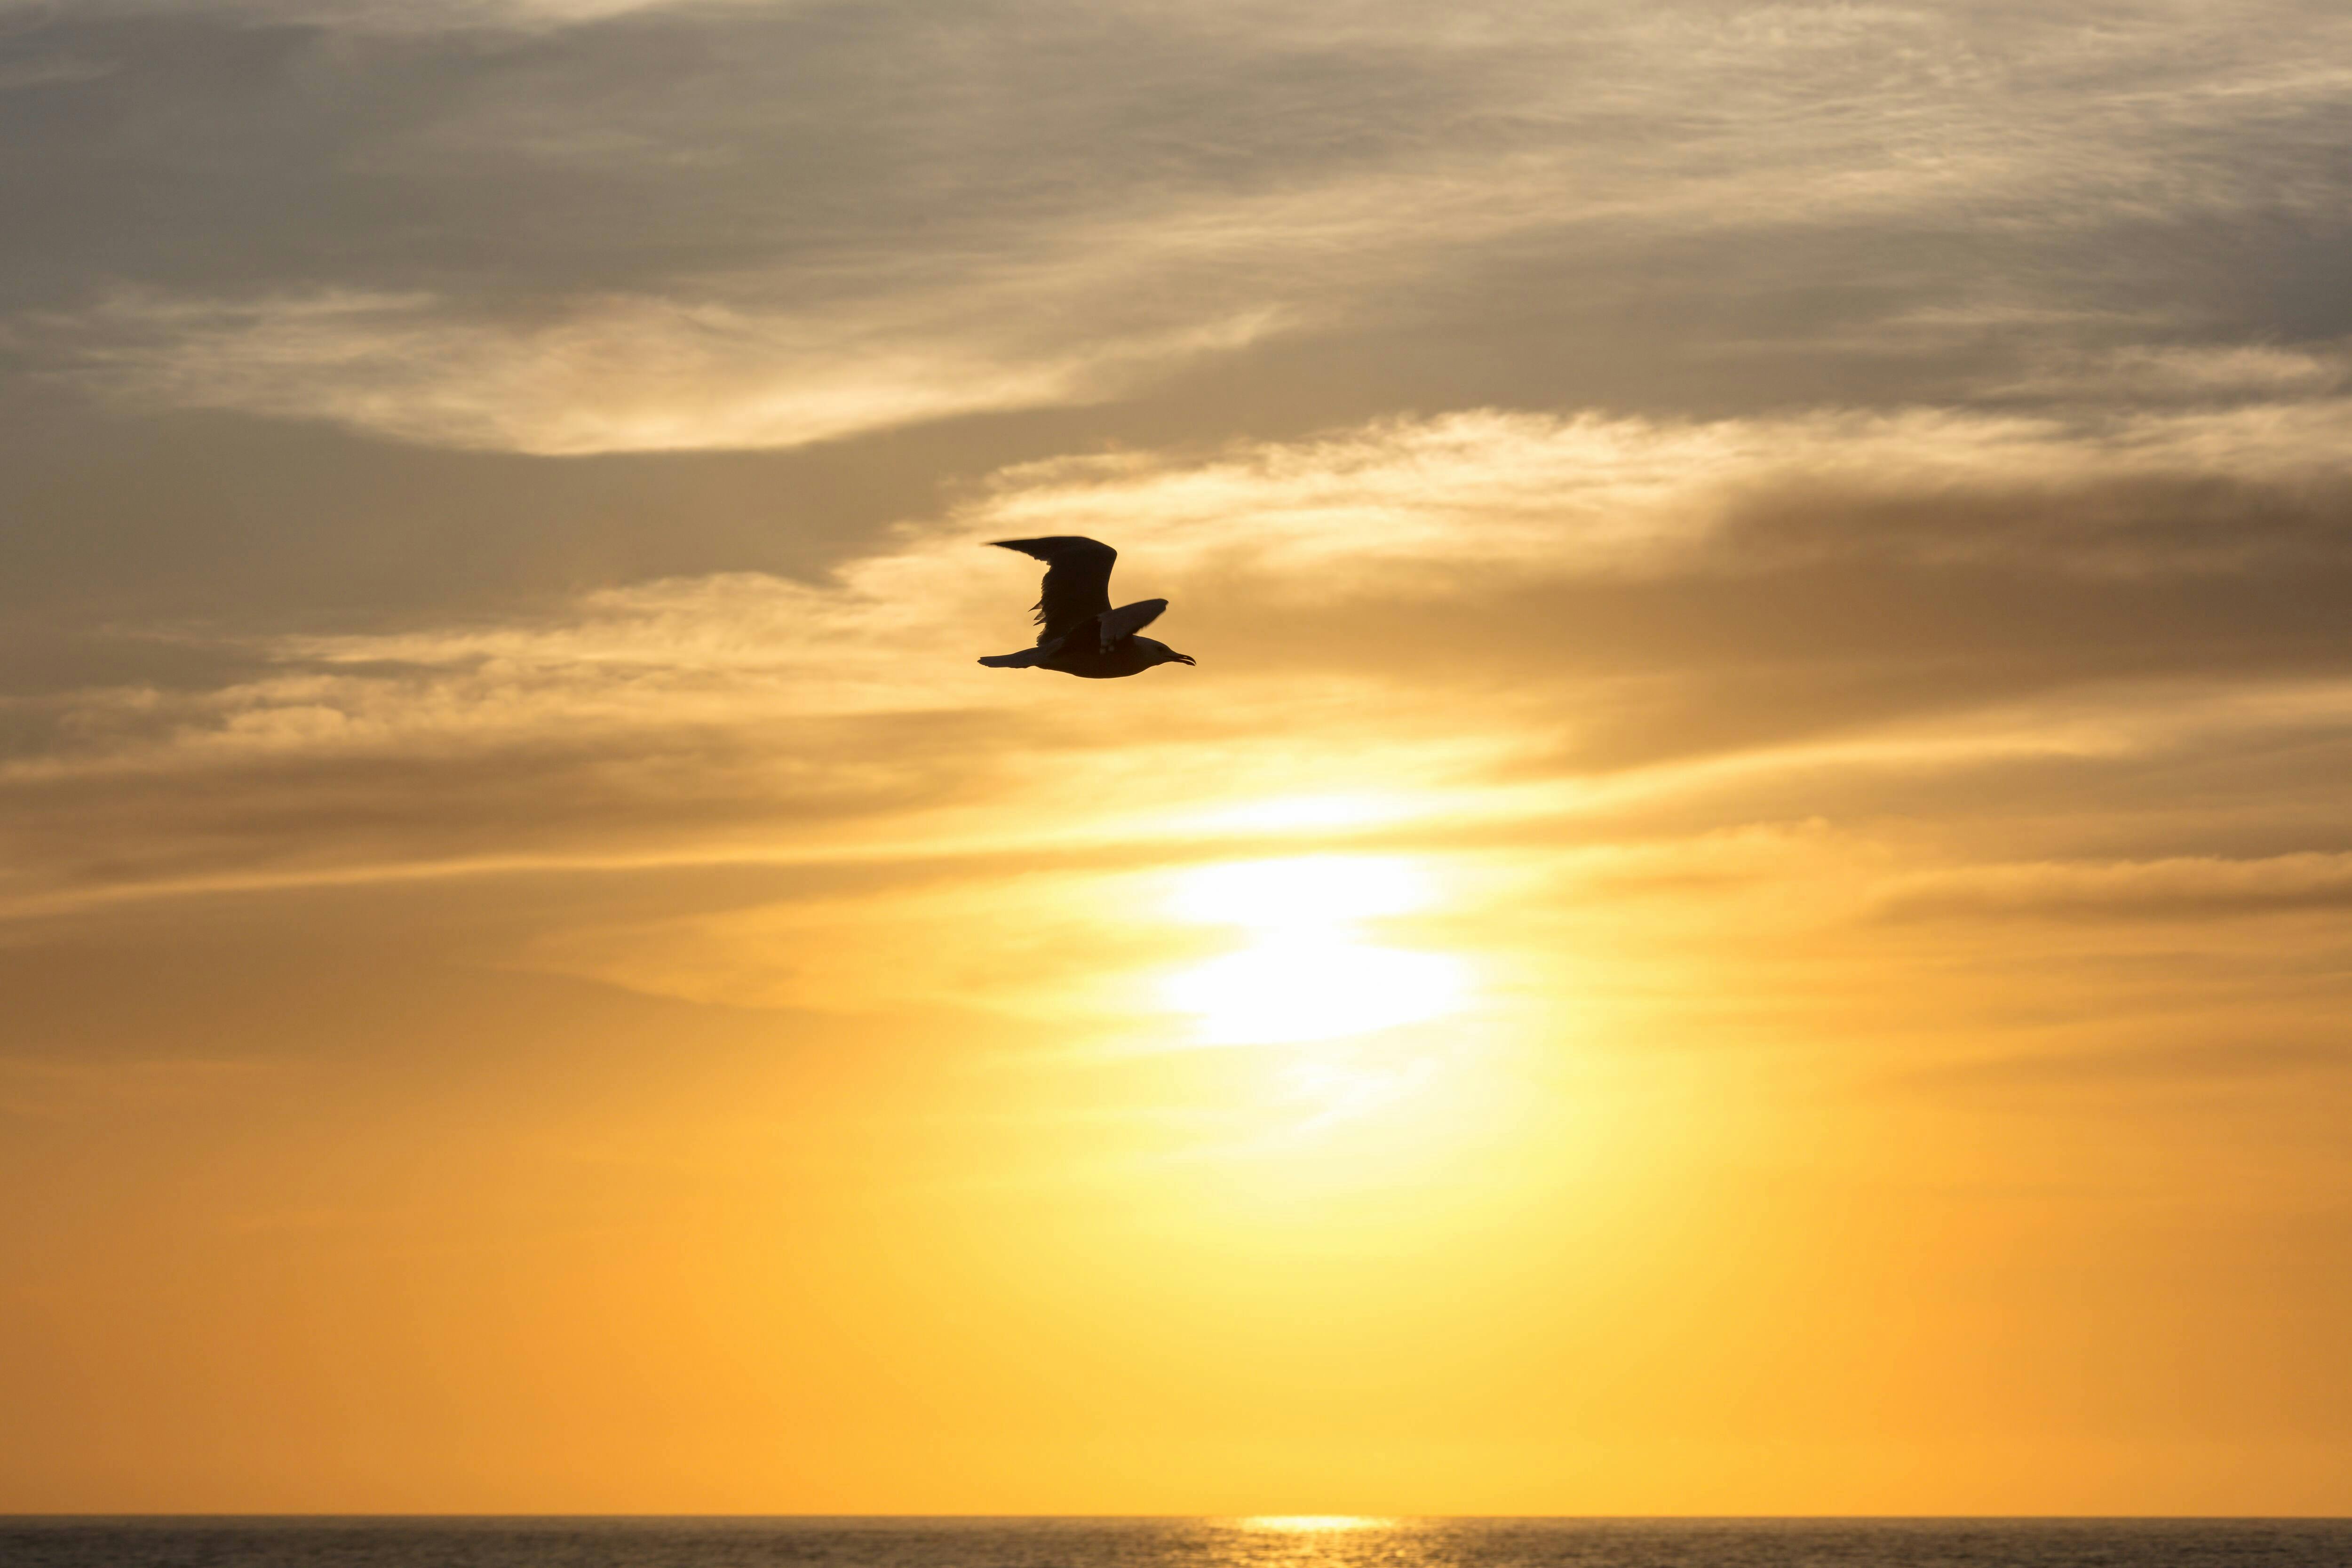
column 1745, row 913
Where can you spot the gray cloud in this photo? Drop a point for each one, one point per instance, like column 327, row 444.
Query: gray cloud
column 1031, row 229
column 800, row 180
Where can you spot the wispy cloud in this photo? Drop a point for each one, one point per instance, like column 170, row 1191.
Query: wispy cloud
column 395, row 16
column 1593, row 494
column 1440, row 573
column 1395, row 511
column 2185, row 887
column 53, row 70
column 613, row 373
column 2147, row 374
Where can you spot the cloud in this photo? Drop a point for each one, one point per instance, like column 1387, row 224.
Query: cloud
column 1518, row 608
column 2158, row 375
column 56, row 71
column 1567, row 497
column 615, row 373
column 2198, row 888
column 1452, row 511
column 393, row 16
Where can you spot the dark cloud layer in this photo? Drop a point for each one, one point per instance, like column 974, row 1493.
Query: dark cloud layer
column 1707, row 214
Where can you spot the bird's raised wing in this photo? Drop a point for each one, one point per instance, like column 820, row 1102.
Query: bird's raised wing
column 1077, row 580
column 1128, row 620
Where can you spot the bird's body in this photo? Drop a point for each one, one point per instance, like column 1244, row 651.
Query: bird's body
column 1078, row 632
column 1128, row 655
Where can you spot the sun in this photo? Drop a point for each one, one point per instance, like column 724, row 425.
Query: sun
column 1308, row 973
column 1294, row 986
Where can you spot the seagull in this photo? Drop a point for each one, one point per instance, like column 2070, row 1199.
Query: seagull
column 1079, row 633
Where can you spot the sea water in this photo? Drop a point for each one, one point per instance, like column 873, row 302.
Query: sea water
column 670, row 1542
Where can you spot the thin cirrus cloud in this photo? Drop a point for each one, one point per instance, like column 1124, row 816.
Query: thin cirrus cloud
column 389, row 16
column 2180, row 888
column 626, row 374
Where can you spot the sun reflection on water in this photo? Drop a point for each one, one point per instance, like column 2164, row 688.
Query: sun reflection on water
column 1319, row 1541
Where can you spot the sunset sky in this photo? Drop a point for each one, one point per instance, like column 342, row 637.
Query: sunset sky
column 1746, row 911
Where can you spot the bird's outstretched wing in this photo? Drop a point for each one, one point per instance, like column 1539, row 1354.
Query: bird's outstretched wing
column 1077, row 580
column 1128, row 620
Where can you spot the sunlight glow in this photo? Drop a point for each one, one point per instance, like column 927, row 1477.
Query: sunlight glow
column 1301, row 1523
column 1298, row 811
column 1312, row 891
column 1313, row 986
column 1307, row 974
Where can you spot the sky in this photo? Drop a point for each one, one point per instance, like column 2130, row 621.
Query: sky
column 1745, row 911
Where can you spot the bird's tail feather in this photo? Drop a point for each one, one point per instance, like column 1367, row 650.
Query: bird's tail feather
column 1022, row 660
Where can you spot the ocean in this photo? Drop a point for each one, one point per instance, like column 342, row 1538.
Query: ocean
column 672, row 1542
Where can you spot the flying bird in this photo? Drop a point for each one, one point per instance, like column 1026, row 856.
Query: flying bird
column 1079, row 633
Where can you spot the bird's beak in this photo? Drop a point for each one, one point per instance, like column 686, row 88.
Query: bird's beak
column 1187, row 659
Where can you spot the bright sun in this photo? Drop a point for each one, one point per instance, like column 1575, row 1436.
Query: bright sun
column 1307, row 974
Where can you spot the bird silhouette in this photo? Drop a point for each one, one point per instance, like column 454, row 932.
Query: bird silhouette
column 1079, row 633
